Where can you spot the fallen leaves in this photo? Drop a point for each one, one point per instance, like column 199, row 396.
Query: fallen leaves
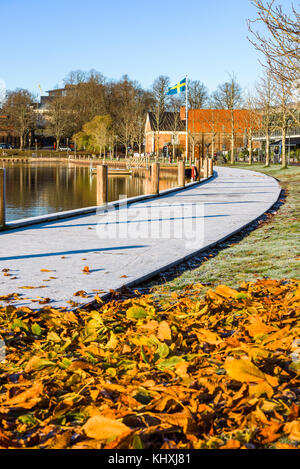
column 182, row 372
column 102, row 428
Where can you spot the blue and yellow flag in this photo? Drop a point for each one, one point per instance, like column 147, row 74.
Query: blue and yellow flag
column 181, row 86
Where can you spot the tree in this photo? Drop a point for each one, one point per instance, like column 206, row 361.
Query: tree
column 95, row 134
column 160, row 103
column 282, row 43
column 19, row 106
column 57, row 119
column 229, row 96
column 85, row 97
column 265, row 96
column 175, row 104
column 251, row 122
column 124, row 105
column 197, row 94
column 142, row 103
column 283, row 117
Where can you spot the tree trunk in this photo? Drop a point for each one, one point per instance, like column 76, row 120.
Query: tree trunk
column 250, row 148
column 232, row 138
column 267, row 149
column 213, row 147
column 232, row 149
column 283, row 150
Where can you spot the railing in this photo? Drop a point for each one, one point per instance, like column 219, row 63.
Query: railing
column 138, row 162
column 204, row 169
column 275, row 134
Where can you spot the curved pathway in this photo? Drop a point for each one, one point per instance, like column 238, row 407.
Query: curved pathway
column 121, row 247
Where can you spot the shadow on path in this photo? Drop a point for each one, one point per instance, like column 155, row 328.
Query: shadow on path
column 65, row 253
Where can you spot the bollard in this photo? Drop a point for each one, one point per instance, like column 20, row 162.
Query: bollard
column 155, row 178
column 2, row 197
column 102, row 183
column 198, row 167
column 205, row 168
column 181, row 173
column 210, row 167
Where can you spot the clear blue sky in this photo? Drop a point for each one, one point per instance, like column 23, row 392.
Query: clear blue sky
column 43, row 40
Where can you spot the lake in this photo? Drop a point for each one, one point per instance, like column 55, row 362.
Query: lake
column 39, row 188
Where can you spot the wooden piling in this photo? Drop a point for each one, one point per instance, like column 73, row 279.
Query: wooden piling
column 210, row 167
column 198, row 167
column 2, row 197
column 205, row 168
column 102, row 184
column 181, row 173
column 155, row 168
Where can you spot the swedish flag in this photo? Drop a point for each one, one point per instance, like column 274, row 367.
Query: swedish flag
column 181, row 86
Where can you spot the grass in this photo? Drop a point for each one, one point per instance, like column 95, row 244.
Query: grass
column 270, row 251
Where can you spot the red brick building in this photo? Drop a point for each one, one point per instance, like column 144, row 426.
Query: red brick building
column 7, row 134
column 209, row 130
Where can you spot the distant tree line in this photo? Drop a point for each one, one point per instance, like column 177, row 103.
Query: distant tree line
column 97, row 113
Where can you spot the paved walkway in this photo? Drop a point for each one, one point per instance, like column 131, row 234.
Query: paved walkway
column 121, row 246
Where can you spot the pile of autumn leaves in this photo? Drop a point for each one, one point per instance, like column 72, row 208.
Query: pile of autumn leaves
column 183, row 372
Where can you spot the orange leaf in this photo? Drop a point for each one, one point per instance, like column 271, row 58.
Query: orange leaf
column 102, row 428
column 164, row 331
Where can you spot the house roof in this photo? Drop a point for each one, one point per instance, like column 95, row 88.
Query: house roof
column 219, row 120
column 206, row 121
column 169, row 122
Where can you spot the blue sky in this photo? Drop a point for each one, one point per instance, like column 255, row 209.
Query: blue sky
column 43, row 40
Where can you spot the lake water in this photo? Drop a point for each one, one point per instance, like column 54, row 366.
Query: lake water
column 34, row 189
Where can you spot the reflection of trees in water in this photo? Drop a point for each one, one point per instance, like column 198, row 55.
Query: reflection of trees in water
column 40, row 188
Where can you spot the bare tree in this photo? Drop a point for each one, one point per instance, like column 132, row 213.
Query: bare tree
column 19, row 106
column 197, row 94
column 142, row 103
column 265, row 102
column 123, row 110
column 251, row 122
column 229, row 96
column 85, row 97
column 175, row 104
column 159, row 92
column 57, row 119
column 282, row 116
column 282, row 42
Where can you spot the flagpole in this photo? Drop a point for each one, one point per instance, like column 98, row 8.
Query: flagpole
column 186, row 118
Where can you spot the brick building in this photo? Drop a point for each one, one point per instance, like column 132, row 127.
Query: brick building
column 7, row 134
column 209, row 130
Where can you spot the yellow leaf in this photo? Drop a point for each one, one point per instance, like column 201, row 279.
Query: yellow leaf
column 102, row 428
column 205, row 335
column 260, row 389
column 243, row 370
column 226, row 292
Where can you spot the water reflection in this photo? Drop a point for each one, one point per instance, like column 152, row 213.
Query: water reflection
column 39, row 188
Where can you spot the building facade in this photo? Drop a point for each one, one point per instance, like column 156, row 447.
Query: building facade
column 209, row 130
